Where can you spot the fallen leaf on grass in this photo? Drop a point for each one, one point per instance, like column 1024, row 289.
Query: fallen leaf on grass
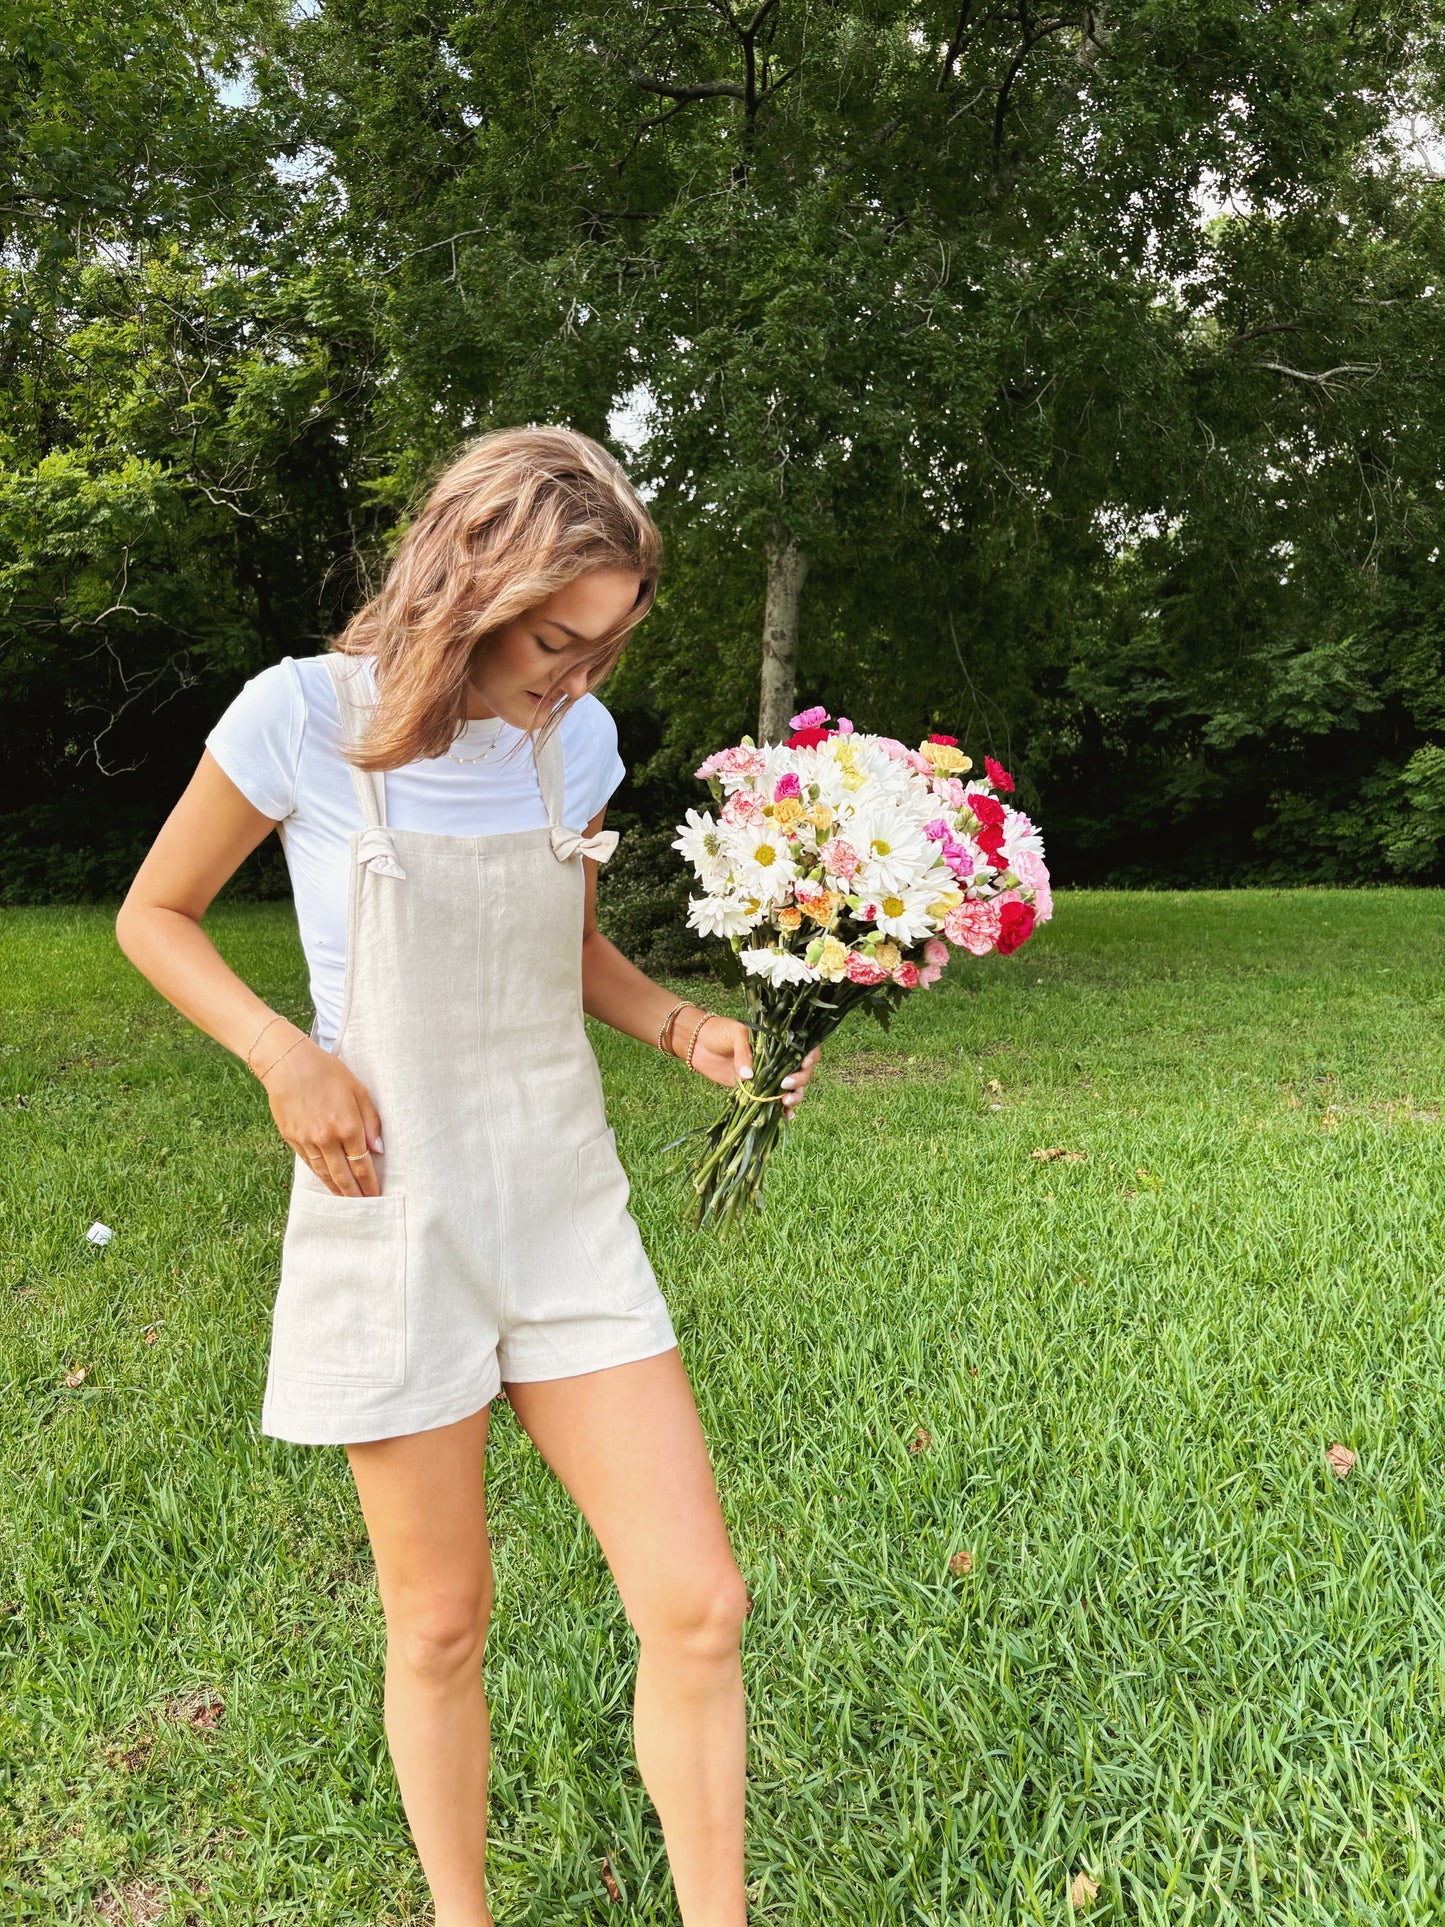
column 609, row 1881
column 132, row 1757
column 150, row 1334
column 922, row 1440
column 1341, row 1461
column 136, row 1905
column 1049, row 1153
column 1083, row 1890
column 78, row 1376
column 994, row 1086
column 961, row 1563
column 201, row 1709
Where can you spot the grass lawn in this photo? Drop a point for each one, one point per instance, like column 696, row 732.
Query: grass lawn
column 1186, row 1659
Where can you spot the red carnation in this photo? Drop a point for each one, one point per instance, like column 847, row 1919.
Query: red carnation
column 997, row 774
column 952, row 741
column 1015, row 926
column 990, row 841
column 809, row 738
column 988, row 809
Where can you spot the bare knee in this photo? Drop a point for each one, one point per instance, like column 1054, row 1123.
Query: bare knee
column 439, row 1636
column 701, row 1619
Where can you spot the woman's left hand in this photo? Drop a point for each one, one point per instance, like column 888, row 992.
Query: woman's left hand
column 724, row 1052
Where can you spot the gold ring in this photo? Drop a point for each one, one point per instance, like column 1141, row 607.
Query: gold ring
column 357, row 1157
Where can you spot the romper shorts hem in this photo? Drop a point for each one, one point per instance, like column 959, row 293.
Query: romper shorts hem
column 651, row 1335
column 400, row 1422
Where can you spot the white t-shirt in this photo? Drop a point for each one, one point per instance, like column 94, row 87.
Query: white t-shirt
column 280, row 744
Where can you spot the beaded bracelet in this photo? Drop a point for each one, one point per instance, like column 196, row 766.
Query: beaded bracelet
column 692, row 1041
column 664, row 1042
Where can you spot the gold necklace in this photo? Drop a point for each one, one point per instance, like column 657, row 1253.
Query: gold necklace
column 478, row 759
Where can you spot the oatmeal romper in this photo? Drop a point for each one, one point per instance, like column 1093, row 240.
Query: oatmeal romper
column 501, row 1245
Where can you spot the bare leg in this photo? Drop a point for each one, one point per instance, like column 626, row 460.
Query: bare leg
column 424, row 1503
column 628, row 1445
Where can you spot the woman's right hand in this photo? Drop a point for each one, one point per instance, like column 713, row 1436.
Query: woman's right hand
column 327, row 1117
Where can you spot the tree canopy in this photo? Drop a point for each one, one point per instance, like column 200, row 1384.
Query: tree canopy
column 1066, row 381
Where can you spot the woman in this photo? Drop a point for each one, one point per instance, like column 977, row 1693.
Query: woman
column 458, row 1218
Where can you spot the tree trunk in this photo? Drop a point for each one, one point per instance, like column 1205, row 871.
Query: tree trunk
column 787, row 568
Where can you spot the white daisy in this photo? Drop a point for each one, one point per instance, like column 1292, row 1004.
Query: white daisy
column 723, row 915
column 761, row 858
column 778, row 966
column 892, row 849
column 904, row 913
column 701, row 843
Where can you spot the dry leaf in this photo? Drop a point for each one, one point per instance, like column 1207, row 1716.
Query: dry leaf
column 1048, row 1153
column 1083, row 1890
column 994, row 1086
column 134, row 1906
column 1341, row 1461
column 961, row 1563
column 748, row 1608
column 609, row 1881
column 922, row 1440
column 150, row 1334
column 78, row 1376
column 201, row 1709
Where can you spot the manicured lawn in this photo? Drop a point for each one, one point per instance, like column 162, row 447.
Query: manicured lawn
column 1187, row 1659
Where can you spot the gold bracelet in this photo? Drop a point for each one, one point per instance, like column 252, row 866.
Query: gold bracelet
column 663, row 1043
column 299, row 1038
column 274, row 1018
column 692, row 1041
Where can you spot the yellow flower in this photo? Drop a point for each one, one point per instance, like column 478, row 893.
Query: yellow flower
column 946, row 760
column 887, row 955
column 786, row 811
column 821, row 817
column 949, row 900
column 833, row 964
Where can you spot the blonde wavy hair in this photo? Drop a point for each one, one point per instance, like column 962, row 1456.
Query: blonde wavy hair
column 518, row 515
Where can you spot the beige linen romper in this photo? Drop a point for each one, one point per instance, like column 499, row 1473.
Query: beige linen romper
column 501, row 1245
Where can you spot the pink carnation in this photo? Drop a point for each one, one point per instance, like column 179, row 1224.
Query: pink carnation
column 809, row 718
column 845, row 728
column 738, row 761
column 973, row 926
column 863, row 970
column 789, row 785
column 1030, row 868
column 741, row 807
column 930, row 974
column 935, row 952
column 900, row 752
column 840, row 858
column 907, row 975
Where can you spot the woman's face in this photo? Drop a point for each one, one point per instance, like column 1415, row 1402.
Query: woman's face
column 545, row 655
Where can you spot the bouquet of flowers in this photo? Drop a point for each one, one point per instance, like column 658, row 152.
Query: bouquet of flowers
column 839, row 869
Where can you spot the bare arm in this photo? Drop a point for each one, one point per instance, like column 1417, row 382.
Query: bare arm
column 320, row 1108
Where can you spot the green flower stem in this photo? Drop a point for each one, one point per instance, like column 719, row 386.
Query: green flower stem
column 786, row 1020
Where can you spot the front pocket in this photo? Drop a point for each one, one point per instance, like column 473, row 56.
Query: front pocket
column 605, row 1227
column 340, row 1312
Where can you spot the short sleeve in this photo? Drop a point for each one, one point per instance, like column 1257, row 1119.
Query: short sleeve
column 257, row 742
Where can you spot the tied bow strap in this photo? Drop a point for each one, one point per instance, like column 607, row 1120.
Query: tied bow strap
column 566, row 843
column 377, row 851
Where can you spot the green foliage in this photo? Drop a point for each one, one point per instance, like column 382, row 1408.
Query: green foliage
column 1091, row 358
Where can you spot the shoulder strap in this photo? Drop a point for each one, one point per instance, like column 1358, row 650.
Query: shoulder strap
column 348, row 673
column 550, row 776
